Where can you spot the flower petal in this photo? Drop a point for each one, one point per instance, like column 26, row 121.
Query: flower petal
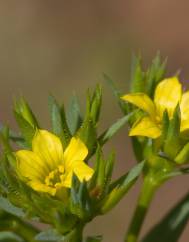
column 29, row 165
column 81, row 170
column 142, row 101
column 167, row 95
column 49, row 148
column 75, row 151
column 40, row 187
column 184, row 107
column 145, row 127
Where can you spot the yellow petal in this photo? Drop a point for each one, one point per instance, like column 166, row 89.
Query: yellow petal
column 40, row 187
column 29, row 165
column 142, row 101
column 81, row 170
column 167, row 96
column 184, row 108
column 49, row 148
column 145, row 127
column 75, row 151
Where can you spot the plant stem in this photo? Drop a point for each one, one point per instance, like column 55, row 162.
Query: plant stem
column 76, row 235
column 12, row 223
column 145, row 198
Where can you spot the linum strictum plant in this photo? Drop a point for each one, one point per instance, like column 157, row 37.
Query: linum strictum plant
column 46, row 175
column 160, row 138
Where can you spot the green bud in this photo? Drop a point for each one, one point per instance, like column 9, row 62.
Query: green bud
column 87, row 133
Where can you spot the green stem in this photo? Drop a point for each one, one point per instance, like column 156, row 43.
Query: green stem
column 145, row 198
column 21, row 228
column 76, row 235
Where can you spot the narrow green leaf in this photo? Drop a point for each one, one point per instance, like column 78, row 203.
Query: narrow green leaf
column 117, row 93
column 22, row 107
column 73, row 115
column 109, row 133
column 87, row 133
column 173, row 142
column 58, row 121
column 172, row 225
column 48, row 235
column 10, row 208
column 155, row 74
column 137, row 75
column 96, row 103
column 27, row 130
column 120, row 187
column 7, row 236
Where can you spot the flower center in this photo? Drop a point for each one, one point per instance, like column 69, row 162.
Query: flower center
column 55, row 177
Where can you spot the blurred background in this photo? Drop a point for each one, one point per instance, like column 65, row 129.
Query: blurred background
column 61, row 47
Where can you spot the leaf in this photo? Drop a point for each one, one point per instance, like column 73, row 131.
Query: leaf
column 73, row 115
column 109, row 133
column 26, row 129
column 172, row 225
column 120, row 187
column 137, row 74
column 155, row 74
column 58, row 121
column 6, row 236
column 97, row 238
column 117, row 93
column 96, row 103
column 10, row 208
column 48, row 235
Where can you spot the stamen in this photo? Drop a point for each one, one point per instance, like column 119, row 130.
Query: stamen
column 56, row 177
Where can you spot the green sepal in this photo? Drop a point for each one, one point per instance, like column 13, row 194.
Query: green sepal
column 80, row 202
column 137, row 75
column 158, row 144
column 22, row 107
column 87, row 133
column 58, row 121
column 173, row 143
column 155, row 74
column 96, row 103
column 109, row 166
column 99, row 169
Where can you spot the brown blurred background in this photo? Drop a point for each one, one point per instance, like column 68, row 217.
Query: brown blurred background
column 64, row 46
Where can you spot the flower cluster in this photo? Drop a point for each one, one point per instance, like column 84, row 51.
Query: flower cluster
column 60, row 177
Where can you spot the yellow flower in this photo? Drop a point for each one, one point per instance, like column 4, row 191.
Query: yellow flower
column 168, row 95
column 48, row 167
